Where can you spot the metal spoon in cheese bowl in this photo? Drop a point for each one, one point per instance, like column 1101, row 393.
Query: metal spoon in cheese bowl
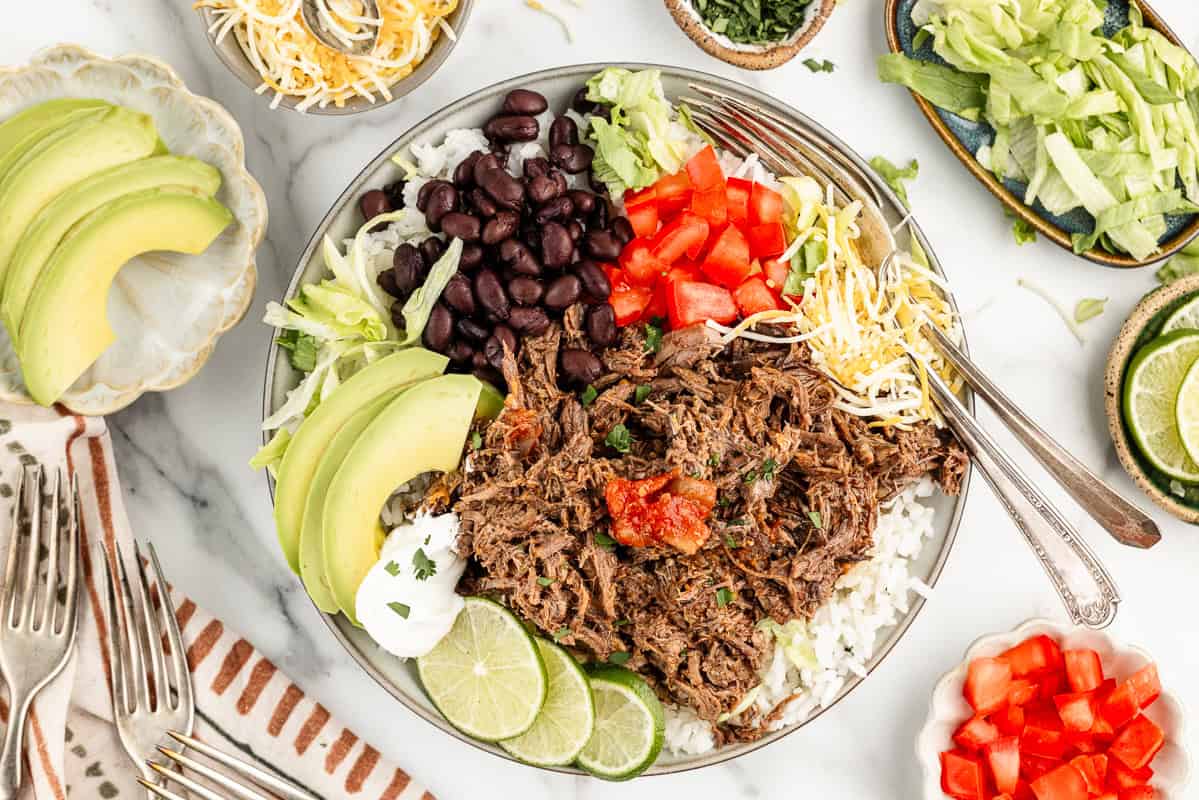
column 327, row 24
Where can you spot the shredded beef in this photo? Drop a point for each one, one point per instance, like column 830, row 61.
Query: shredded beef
column 799, row 483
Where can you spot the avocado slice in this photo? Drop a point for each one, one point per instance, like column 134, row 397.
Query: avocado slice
column 65, row 328
column 65, row 157
column 26, row 128
column 312, row 536
column 47, row 229
column 422, row 430
column 304, row 451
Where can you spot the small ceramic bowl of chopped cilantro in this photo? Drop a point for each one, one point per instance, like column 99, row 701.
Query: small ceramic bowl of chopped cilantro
column 752, row 34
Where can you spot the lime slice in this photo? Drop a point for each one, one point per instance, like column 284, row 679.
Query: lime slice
column 1186, row 412
column 1151, row 388
column 486, row 676
column 628, row 726
column 1185, row 316
column 566, row 720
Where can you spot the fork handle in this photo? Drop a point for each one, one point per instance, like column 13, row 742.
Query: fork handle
column 14, row 736
column 1085, row 587
column 1126, row 523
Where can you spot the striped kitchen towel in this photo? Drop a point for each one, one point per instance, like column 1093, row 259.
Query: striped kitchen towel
column 244, row 704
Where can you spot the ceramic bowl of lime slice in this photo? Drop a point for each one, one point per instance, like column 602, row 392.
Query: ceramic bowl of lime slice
column 1151, row 394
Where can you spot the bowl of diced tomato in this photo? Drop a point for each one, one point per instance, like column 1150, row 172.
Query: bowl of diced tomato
column 1050, row 712
column 706, row 248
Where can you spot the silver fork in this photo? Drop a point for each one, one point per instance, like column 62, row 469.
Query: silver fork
column 148, row 698
column 37, row 628
column 1086, row 588
column 241, row 790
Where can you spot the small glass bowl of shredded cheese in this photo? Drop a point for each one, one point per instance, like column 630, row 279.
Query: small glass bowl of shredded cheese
column 268, row 46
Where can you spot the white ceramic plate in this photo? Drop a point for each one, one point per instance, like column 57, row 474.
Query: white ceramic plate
column 167, row 309
column 559, row 86
column 948, row 709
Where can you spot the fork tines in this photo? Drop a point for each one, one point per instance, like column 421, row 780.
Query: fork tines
column 238, row 788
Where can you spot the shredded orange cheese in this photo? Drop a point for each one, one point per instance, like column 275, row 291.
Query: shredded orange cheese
column 293, row 62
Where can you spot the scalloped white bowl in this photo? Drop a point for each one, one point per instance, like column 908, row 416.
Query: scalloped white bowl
column 948, row 709
column 167, row 309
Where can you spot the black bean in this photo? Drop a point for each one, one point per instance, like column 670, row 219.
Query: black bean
column 472, row 330
column 563, row 292
column 574, row 158
column 408, row 267
column 459, row 295
column 564, row 131
column 512, row 128
column 503, row 337
column 623, row 230
column 373, row 203
column 599, row 217
column 480, row 202
column 488, row 161
column 488, row 375
column 602, row 245
column 503, row 226
column 597, row 186
column 464, row 173
column 542, row 189
column 442, row 201
column 525, row 101
column 431, row 250
column 595, row 281
column 472, row 257
column 530, row 234
column 397, row 315
column 461, row 353
column 479, row 361
column 490, row 294
column 462, row 226
column 581, row 104
column 524, row 262
column 536, row 166
column 556, row 245
column 576, row 231
column 584, row 202
column 529, row 320
column 601, row 325
column 395, row 194
column 525, row 290
column 387, row 282
column 560, row 208
column 505, row 190
column 439, row 330
column 426, row 191
column 560, row 181
column 581, row 366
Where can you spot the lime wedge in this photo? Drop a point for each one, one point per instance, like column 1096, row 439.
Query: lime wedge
column 567, row 718
column 628, row 726
column 1186, row 412
column 1151, row 388
column 486, row 676
column 1185, row 316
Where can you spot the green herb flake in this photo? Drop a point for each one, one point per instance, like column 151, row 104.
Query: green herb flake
column 620, row 623
column 640, row 393
column 605, row 541
column 588, row 396
column 400, row 609
column 619, row 438
column 392, row 568
column 714, row 460
column 1088, row 308
column 816, row 65
column 817, row 519
column 730, row 542
column 653, row 335
column 423, row 567
column 544, row 581
column 750, row 476
column 476, row 441
column 736, row 523
column 768, row 468
column 619, row 658
column 561, row 633
column 301, row 349
column 724, row 596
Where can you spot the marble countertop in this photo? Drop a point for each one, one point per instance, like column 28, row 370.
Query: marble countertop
column 183, row 455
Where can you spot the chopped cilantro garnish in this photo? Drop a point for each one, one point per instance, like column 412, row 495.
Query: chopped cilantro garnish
column 723, row 597
column 476, row 440
column 640, row 393
column 730, row 542
column 750, row 476
column 619, row 438
column 423, row 567
column 819, row 66
column 561, row 633
column 619, row 658
column 544, row 581
column 737, row 522
column 653, row 335
column 768, row 468
column 400, row 609
column 301, row 349
column 714, row 460
column 588, row 396
column 817, row 520
column 391, row 568
column 605, row 541
column 724, row 502
column 620, row 622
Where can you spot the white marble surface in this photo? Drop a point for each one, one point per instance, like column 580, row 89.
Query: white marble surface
column 183, row 456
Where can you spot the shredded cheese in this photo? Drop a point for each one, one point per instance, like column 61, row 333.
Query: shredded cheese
column 294, row 63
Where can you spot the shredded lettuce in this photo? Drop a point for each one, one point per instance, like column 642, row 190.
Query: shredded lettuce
column 1186, row 262
column 271, row 454
column 420, row 304
column 895, row 177
column 795, row 641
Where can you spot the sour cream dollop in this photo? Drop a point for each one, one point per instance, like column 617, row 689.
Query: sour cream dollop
column 407, row 602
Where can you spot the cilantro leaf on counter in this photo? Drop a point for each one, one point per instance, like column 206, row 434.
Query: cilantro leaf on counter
column 819, row 66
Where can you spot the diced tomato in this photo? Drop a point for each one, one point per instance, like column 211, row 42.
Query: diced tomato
column 974, row 733
column 728, row 262
column 1083, row 670
column 765, row 205
column 1022, row 692
column 962, row 776
column 1064, row 783
column 1003, row 759
column 684, row 235
column 1147, row 687
column 692, row 302
column 1033, row 767
column 754, row 296
column 1081, row 742
column 1003, row 796
column 629, row 302
column 1032, row 656
column 1043, row 742
column 987, row 684
column 1043, row 714
column 1139, row 793
column 1076, row 710
column 656, row 310
column 672, row 193
column 644, row 219
column 737, row 192
column 641, row 267
column 683, row 271
column 1120, row 777
column 776, row 273
column 1023, row 792
column 767, row 241
column 1120, row 706
column 712, row 205
column 704, row 171
column 1010, row 720
column 1090, row 772
column 1138, row 743
column 1051, row 684
column 635, row 199
column 1107, row 796
column 616, row 278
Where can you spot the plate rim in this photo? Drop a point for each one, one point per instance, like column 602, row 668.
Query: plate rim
column 274, row 356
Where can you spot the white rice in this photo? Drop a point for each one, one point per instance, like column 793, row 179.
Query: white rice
column 839, row 640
